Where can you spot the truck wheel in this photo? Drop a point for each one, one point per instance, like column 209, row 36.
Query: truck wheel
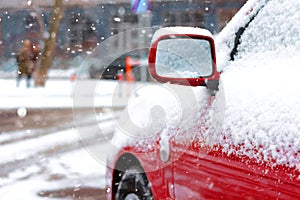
column 134, row 186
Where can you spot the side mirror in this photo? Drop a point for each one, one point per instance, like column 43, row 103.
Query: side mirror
column 184, row 56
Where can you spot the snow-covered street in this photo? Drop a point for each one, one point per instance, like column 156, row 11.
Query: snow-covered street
column 42, row 153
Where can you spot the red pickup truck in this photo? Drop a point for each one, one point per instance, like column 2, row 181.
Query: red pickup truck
column 235, row 132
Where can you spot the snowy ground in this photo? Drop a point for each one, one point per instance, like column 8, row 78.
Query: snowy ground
column 56, row 93
column 54, row 162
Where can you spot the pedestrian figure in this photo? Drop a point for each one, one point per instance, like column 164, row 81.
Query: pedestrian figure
column 25, row 64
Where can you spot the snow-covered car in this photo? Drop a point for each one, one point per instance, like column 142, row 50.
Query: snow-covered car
column 235, row 135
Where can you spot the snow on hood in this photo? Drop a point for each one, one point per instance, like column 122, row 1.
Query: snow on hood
column 261, row 109
column 261, row 87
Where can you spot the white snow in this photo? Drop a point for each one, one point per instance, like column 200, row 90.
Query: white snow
column 261, row 87
column 159, row 108
column 225, row 40
column 57, row 94
column 54, row 173
column 261, row 107
column 180, row 30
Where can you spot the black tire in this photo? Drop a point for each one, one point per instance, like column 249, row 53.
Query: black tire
column 134, row 185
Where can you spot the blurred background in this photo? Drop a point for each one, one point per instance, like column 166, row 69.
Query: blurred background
column 85, row 24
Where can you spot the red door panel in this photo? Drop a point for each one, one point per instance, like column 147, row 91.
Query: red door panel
column 209, row 174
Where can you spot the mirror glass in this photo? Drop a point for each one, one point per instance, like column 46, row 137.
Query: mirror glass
column 184, row 57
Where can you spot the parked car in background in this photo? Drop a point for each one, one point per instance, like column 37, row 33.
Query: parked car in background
column 116, row 68
column 206, row 135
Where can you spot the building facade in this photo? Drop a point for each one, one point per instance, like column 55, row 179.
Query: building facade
column 88, row 23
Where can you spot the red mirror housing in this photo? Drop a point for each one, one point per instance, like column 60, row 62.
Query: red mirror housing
column 173, row 34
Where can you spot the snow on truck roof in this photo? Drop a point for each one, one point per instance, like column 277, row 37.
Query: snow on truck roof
column 180, row 30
